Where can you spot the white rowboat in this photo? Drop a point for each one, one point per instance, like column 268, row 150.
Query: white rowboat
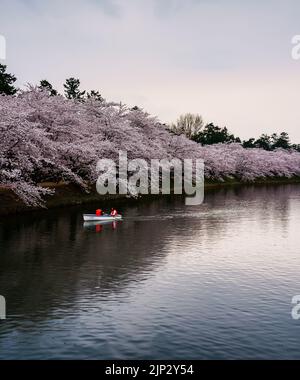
column 104, row 218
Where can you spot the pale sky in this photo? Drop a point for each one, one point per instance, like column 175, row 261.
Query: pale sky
column 228, row 60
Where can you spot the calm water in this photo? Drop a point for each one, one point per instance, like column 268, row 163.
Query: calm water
column 169, row 282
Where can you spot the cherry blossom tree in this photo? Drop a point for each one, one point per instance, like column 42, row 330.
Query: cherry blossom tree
column 49, row 138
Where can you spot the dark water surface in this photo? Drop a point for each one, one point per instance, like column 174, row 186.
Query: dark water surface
column 169, row 282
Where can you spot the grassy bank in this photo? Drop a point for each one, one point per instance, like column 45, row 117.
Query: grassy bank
column 65, row 195
column 257, row 182
column 70, row 194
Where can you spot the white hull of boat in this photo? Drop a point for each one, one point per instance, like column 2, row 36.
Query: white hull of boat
column 102, row 218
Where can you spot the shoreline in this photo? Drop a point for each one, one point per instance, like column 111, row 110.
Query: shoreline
column 71, row 195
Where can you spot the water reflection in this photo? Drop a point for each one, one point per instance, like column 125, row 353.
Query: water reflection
column 98, row 226
column 165, row 266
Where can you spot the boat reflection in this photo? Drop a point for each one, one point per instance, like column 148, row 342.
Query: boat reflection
column 97, row 226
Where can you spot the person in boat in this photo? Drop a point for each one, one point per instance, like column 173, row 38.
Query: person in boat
column 99, row 212
column 113, row 212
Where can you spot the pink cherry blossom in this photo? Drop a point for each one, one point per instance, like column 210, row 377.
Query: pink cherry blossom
column 49, row 138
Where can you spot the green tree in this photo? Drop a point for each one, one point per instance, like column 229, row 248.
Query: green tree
column 212, row 134
column 72, row 90
column 281, row 141
column 264, row 141
column 45, row 85
column 7, row 82
column 272, row 142
column 95, row 95
column 249, row 143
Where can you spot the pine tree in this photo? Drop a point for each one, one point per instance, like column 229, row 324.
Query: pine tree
column 95, row 95
column 72, row 89
column 45, row 85
column 6, row 82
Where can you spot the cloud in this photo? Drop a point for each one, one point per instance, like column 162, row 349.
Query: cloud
column 108, row 7
column 173, row 56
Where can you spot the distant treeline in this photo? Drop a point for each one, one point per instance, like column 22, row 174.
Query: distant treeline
column 71, row 87
column 191, row 125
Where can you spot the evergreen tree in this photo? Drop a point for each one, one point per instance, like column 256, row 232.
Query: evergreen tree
column 264, row 142
column 44, row 84
column 213, row 134
column 72, row 90
column 249, row 143
column 6, row 82
column 95, row 95
column 281, row 141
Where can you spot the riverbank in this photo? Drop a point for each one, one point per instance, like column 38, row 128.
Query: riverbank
column 70, row 194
